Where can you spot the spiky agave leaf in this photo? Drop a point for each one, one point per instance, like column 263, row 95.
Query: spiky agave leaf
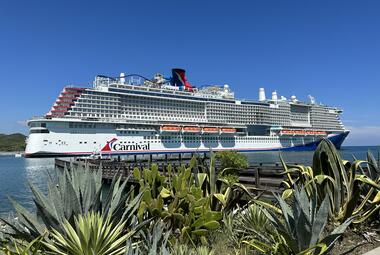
column 154, row 239
column 353, row 190
column 22, row 247
column 75, row 192
column 373, row 167
column 326, row 160
column 91, row 234
column 303, row 222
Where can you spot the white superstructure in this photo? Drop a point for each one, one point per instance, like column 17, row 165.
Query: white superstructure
column 132, row 114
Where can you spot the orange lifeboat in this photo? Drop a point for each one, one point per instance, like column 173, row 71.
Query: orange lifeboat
column 210, row 130
column 310, row 132
column 286, row 132
column 191, row 129
column 228, row 130
column 170, row 128
column 302, row 132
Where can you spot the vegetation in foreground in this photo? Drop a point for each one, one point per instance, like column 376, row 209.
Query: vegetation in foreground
column 194, row 210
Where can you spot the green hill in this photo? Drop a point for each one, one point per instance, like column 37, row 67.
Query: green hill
column 13, row 142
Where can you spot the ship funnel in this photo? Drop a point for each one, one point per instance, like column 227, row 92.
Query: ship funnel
column 274, row 96
column 262, row 94
column 179, row 79
column 122, row 78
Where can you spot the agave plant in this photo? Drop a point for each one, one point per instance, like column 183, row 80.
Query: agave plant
column 351, row 192
column 91, row 234
column 372, row 169
column 21, row 247
column 154, row 240
column 249, row 227
column 76, row 192
column 301, row 225
column 224, row 192
column 181, row 249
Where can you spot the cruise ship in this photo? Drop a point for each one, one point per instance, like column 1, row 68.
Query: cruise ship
column 131, row 114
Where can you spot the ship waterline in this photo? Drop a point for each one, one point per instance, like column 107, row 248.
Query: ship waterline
column 118, row 116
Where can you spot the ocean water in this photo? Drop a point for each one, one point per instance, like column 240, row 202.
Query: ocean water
column 17, row 173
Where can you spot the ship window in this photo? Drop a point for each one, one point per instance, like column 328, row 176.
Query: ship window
column 43, row 131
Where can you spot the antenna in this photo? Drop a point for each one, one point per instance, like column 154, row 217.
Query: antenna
column 312, row 99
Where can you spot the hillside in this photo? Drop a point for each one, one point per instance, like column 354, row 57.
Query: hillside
column 13, row 142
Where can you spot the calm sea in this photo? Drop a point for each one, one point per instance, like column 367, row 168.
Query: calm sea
column 16, row 173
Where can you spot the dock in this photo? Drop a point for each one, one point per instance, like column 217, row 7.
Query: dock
column 264, row 177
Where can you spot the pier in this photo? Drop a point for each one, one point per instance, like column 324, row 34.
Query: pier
column 265, row 178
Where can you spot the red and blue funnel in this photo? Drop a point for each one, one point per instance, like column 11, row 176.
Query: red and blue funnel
column 179, row 79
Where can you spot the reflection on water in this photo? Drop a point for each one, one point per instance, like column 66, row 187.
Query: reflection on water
column 16, row 172
column 37, row 170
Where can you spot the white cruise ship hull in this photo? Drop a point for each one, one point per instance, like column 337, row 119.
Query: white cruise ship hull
column 108, row 144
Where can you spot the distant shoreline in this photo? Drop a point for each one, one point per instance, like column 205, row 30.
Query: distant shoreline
column 8, row 153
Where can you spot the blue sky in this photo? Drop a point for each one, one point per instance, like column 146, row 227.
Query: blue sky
column 329, row 49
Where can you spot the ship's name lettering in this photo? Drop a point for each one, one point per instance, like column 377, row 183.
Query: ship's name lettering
column 130, row 147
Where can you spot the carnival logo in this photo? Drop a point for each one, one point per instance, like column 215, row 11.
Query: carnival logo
column 114, row 145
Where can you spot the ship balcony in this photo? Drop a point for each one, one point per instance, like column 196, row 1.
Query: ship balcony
column 57, row 111
column 60, row 107
column 63, row 96
column 74, row 89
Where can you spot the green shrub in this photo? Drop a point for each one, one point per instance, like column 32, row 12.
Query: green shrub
column 190, row 200
column 178, row 201
column 231, row 159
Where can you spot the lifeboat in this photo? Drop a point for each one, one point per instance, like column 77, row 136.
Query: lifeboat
column 228, row 130
column 302, row 132
column 191, row 129
column 286, row 132
column 310, row 132
column 210, row 130
column 170, row 128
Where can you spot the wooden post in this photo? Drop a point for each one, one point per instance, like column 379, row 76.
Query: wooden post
column 257, row 177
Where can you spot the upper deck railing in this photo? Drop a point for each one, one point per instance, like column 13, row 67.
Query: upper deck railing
column 143, row 84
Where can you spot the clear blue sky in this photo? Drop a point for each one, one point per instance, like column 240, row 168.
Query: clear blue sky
column 329, row 49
